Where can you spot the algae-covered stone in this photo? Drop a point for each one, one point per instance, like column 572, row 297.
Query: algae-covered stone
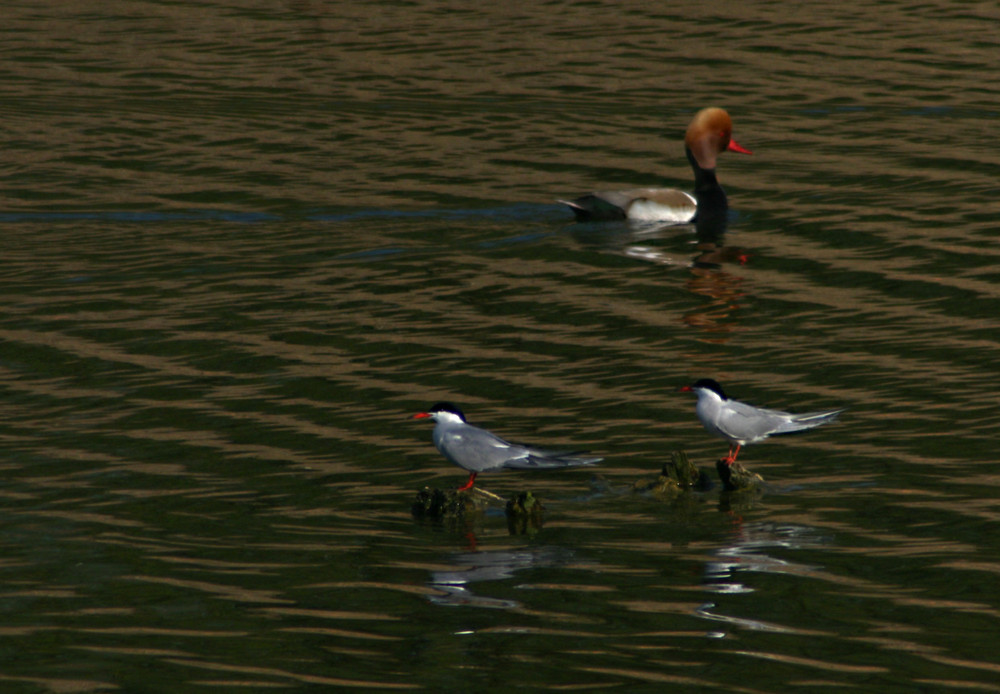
column 687, row 474
column 678, row 474
column 437, row 504
column 735, row 477
column 524, row 514
column 662, row 485
column 524, row 511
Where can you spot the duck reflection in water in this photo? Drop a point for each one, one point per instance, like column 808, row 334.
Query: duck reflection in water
column 723, row 290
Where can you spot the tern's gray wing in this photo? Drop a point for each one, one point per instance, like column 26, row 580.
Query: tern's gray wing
column 477, row 450
column 746, row 423
column 526, row 456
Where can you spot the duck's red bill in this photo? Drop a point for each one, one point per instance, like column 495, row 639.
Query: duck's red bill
column 736, row 147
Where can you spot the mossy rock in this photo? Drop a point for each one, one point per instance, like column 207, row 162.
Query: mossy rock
column 677, row 475
column 687, row 474
column 525, row 514
column 735, row 477
column 438, row 504
column 660, row 486
column 524, row 511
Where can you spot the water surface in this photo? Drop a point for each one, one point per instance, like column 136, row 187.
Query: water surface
column 244, row 242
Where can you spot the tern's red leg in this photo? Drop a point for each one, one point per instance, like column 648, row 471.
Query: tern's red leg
column 468, row 485
column 734, row 450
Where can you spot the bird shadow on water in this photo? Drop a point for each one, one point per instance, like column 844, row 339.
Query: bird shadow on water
column 745, row 547
column 754, row 548
column 452, row 584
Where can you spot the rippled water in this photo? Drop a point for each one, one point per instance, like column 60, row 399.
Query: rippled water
column 243, row 242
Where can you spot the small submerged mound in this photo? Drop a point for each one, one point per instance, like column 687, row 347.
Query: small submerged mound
column 677, row 475
column 735, row 477
column 525, row 513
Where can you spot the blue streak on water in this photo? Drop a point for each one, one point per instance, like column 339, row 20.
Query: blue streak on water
column 140, row 216
column 501, row 213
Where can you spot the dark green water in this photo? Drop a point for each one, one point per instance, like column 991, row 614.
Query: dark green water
column 243, row 242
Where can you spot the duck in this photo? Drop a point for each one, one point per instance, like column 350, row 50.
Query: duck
column 709, row 135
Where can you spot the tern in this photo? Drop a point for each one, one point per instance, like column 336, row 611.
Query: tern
column 477, row 450
column 741, row 424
